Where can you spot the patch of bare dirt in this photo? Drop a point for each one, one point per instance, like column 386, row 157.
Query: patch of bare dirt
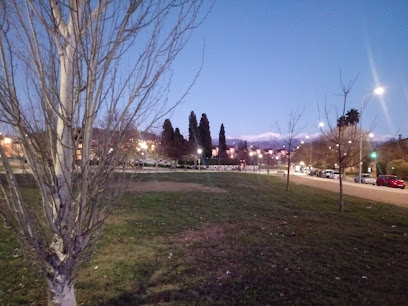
column 205, row 232
column 141, row 187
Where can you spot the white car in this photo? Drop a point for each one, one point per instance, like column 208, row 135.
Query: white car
column 335, row 175
column 327, row 173
column 365, row 179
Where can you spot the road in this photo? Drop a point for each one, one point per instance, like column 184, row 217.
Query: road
column 371, row 192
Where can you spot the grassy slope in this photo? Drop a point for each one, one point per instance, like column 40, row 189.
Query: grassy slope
column 255, row 244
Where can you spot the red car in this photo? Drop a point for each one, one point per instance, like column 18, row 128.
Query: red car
column 390, row 181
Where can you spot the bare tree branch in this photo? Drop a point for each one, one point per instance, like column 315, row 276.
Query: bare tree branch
column 288, row 136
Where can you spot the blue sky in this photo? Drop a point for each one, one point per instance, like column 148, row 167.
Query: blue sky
column 264, row 59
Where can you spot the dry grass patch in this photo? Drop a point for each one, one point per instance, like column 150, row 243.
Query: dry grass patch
column 203, row 233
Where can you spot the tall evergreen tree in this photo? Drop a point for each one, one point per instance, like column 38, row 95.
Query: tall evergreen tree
column 179, row 145
column 167, row 138
column 222, row 143
column 205, row 136
column 194, row 139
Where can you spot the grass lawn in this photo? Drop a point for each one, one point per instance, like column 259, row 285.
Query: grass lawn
column 253, row 244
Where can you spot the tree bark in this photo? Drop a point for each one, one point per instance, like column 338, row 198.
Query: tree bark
column 287, row 179
column 61, row 294
column 341, row 200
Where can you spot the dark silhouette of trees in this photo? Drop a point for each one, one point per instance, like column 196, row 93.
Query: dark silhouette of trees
column 194, row 138
column 222, row 144
column 205, row 136
column 342, row 122
column 167, row 138
column 179, row 145
column 353, row 117
column 173, row 143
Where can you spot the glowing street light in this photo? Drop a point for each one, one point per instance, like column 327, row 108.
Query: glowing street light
column 379, row 91
column 252, row 154
column 143, row 145
column 199, row 151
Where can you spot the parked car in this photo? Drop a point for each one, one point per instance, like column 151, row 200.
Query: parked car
column 327, row 173
column 390, row 181
column 314, row 172
column 335, row 175
column 365, row 179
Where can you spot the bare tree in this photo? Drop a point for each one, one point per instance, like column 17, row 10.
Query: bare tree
column 64, row 66
column 344, row 136
column 288, row 137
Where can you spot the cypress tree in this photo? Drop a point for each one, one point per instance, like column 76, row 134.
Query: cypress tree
column 179, row 145
column 194, row 139
column 167, row 138
column 205, row 135
column 222, row 143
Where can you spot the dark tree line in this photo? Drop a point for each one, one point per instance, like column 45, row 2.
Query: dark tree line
column 176, row 146
column 173, row 143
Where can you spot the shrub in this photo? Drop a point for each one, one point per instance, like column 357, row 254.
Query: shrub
column 398, row 167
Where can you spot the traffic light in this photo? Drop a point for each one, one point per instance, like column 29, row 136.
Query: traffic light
column 373, row 154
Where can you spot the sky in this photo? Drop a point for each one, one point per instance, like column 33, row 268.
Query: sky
column 266, row 58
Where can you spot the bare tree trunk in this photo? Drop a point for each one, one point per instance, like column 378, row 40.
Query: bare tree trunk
column 287, row 178
column 292, row 131
column 61, row 293
column 343, row 136
column 341, row 200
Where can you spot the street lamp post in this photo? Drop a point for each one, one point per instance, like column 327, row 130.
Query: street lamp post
column 370, row 137
column 199, row 151
column 310, row 142
column 260, row 162
column 378, row 91
column 252, row 160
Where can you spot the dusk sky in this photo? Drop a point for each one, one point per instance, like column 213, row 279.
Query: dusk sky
column 264, row 59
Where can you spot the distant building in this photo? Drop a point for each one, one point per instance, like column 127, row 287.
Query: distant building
column 12, row 146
